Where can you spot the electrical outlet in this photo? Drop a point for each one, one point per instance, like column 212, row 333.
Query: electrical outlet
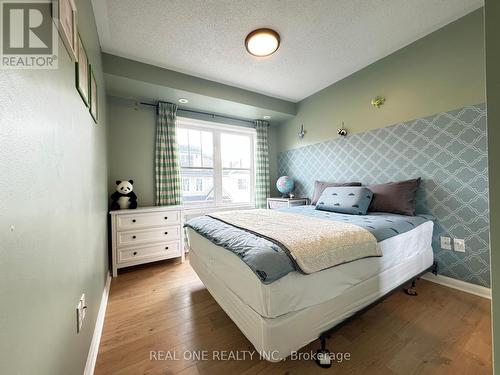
column 445, row 243
column 459, row 245
column 81, row 309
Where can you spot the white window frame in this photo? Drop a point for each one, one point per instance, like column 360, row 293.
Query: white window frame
column 216, row 129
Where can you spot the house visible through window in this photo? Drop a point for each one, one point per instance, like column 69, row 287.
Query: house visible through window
column 217, row 163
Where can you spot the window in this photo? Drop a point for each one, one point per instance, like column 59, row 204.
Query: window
column 199, row 184
column 242, row 184
column 196, row 156
column 216, row 163
column 185, row 184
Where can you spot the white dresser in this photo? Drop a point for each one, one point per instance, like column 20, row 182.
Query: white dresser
column 146, row 234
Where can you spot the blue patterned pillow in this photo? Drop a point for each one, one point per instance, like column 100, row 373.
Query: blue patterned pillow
column 347, row 200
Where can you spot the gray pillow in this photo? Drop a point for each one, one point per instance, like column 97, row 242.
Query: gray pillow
column 347, row 200
column 395, row 197
column 320, row 186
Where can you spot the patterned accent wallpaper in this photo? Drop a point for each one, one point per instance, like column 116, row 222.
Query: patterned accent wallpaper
column 448, row 150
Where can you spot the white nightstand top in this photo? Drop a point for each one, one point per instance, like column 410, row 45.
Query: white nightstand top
column 140, row 210
column 280, row 199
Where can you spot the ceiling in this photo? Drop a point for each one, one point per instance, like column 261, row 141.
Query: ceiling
column 322, row 41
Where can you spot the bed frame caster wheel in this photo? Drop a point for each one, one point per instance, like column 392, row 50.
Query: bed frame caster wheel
column 412, row 290
column 323, row 358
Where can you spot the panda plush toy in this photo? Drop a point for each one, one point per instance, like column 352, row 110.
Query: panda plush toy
column 124, row 196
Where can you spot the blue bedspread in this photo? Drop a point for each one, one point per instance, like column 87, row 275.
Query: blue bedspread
column 381, row 224
column 268, row 261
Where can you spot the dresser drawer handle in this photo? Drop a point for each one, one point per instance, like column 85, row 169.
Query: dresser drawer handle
column 166, row 217
column 133, row 220
column 135, row 252
column 133, row 237
column 166, row 232
column 166, row 247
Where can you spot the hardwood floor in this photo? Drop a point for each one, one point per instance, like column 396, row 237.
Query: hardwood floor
column 165, row 307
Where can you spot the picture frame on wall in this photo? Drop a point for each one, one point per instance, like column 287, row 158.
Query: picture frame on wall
column 82, row 72
column 94, row 96
column 64, row 16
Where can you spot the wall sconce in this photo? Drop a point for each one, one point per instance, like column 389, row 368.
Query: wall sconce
column 342, row 131
column 378, row 101
column 302, row 132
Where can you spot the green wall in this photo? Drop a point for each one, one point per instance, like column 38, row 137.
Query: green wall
column 492, row 28
column 273, row 145
column 131, row 143
column 52, row 213
column 440, row 72
column 135, row 80
column 120, row 66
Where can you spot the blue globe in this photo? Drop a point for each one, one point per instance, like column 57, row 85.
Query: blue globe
column 285, row 185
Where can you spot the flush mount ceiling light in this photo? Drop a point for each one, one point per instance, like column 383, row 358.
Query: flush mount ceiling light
column 262, row 42
column 266, row 117
column 183, row 101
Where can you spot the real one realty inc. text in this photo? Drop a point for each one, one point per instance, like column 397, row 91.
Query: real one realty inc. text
column 240, row 355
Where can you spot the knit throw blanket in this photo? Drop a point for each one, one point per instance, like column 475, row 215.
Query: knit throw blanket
column 313, row 244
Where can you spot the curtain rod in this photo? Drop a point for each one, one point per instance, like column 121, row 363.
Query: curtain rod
column 201, row 113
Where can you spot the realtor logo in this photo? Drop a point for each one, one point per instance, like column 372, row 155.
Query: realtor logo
column 28, row 38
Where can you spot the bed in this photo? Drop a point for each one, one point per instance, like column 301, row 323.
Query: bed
column 282, row 316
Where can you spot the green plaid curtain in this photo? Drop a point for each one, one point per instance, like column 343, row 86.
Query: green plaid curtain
column 167, row 169
column 262, row 184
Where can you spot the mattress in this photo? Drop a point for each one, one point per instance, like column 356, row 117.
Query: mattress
column 271, row 262
column 296, row 291
column 276, row 338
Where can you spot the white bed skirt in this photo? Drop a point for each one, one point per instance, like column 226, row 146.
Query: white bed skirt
column 277, row 338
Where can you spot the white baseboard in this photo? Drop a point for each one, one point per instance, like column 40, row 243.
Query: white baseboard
column 477, row 290
column 96, row 338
